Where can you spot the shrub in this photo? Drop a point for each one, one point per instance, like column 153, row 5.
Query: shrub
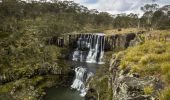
column 165, row 94
column 148, row 90
column 167, row 77
column 165, row 67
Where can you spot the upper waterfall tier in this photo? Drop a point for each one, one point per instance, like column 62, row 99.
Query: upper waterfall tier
column 90, row 48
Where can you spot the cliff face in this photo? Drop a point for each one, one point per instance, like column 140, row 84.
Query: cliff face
column 130, row 86
column 115, row 42
column 123, row 80
column 119, row 42
column 137, row 73
column 113, row 83
column 30, row 83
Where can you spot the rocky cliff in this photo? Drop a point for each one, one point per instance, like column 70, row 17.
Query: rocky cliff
column 115, row 42
column 130, row 86
column 137, row 73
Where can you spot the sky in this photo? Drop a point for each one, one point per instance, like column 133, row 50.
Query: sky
column 119, row 6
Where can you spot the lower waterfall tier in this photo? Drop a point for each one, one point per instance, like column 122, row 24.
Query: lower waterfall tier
column 82, row 76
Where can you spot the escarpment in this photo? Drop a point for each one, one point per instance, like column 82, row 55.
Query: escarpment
column 44, row 69
column 116, row 80
column 115, row 42
column 115, row 83
column 131, row 86
column 137, row 73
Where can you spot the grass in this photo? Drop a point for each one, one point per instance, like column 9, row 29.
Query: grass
column 160, row 32
column 123, row 31
column 3, row 35
column 165, row 95
column 152, row 58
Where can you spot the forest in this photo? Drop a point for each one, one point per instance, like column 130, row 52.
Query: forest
column 58, row 17
column 29, row 65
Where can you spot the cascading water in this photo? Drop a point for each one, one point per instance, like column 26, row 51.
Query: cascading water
column 96, row 51
column 82, row 76
column 90, row 48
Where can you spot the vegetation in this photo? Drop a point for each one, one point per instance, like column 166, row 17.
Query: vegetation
column 149, row 59
column 55, row 17
column 100, row 84
column 148, row 90
column 123, row 31
column 25, row 26
column 165, row 94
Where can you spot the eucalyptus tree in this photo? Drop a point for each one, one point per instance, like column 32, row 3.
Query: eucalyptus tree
column 149, row 10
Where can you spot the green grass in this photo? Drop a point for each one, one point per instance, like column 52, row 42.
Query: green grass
column 123, row 31
column 152, row 58
column 151, row 55
column 4, row 35
column 165, row 95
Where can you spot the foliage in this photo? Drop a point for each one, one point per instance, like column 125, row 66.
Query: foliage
column 155, row 17
column 148, row 90
column 149, row 59
column 49, row 18
column 165, row 94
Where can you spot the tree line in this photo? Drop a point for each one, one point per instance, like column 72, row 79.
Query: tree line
column 57, row 17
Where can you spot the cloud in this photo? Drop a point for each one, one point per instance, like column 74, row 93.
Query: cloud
column 119, row 6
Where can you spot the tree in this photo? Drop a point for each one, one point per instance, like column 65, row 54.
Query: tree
column 149, row 10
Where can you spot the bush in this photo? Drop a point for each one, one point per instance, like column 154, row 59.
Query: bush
column 165, row 67
column 148, row 90
column 167, row 77
column 165, row 94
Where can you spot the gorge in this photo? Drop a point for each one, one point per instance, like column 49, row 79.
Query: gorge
column 88, row 51
column 81, row 50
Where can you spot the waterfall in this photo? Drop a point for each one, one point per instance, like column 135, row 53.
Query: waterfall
column 82, row 76
column 90, row 48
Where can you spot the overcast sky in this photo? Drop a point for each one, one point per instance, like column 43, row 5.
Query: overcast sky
column 119, row 6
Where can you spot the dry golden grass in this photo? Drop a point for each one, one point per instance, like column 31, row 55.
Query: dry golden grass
column 151, row 58
column 160, row 32
column 123, row 31
column 159, row 35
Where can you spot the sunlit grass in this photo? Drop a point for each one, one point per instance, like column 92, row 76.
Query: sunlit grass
column 148, row 58
column 123, row 31
column 165, row 95
column 160, row 32
column 151, row 58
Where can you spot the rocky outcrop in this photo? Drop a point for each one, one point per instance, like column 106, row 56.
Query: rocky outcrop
column 130, row 86
column 44, row 69
column 31, row 83
column 115, row 42
column 119, row 42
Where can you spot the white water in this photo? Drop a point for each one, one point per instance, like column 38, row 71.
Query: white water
column 80, row 79
column 95, row 44
column 93, row 53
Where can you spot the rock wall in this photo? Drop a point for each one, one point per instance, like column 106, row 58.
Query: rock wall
column 45, row 69
column 130, row 86
column 31, row 83
column 122, row 84
column 113, row 42
column 118, row 84
column 118, row 42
